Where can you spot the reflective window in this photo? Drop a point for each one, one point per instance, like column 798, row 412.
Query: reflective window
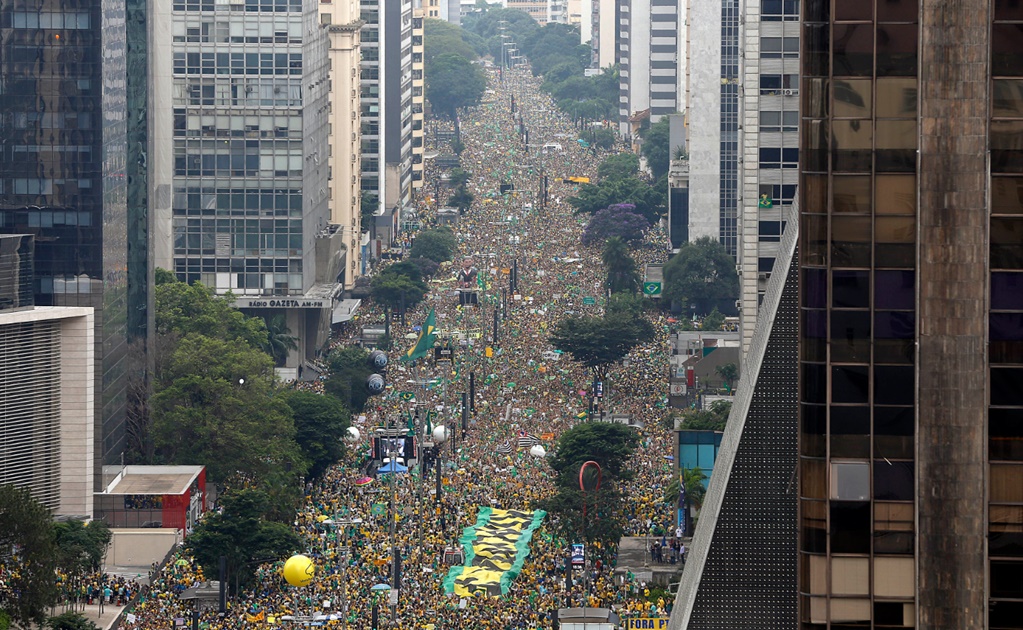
column 851, row 194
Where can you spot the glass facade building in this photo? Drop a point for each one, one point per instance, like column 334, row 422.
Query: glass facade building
column 911, row 319
column 63, row 115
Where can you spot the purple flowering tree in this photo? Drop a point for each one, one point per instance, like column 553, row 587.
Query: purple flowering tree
column 618, row 219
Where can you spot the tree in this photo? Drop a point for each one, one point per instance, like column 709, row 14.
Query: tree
column 622, row 276
column 600, row 342
column 729, row 373
column 692, row 479
column 70, row 621
column 649, row 200
column 458, row 178
column 216, row 407
column 437, row 244
column 619, row 166
column 702, row 273
column 349, row 368
column 615, row 221
column 656, row 147
column 443, row 38
column 26, row 528
column 427, row 267
column 461, row 199
column 713, row 419
column 320, row 426
column 608, row 443
column 279, row 341
column 243, row 535
column 396, row 291
column 80, row 550
column 194, row 308
column 600, row 529
column 367, row 209
column 713, row 321
column 453, row 82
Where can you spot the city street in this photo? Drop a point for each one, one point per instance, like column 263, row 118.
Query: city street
column 521, row 385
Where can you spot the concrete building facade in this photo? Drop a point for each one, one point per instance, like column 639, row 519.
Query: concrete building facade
column 648, row 44
column 250, row 210
column 64, row 173
column 344, row 26
column 770, row 144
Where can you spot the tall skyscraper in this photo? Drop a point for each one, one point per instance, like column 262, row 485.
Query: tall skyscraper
column 770, row 142
column 711, row 106
column 648, row 32
column 387, row 113
column 344, row 27
column 910, row 445
column 250, row 211
column 911, row 448
column 63, row 175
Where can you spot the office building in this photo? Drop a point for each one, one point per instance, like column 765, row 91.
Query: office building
column 711, row 105
column 605, row 21
column 648, row 43
column 770, row 144
column 63, row 176
column 418, row 96
column 46, row 389
column 344, row 25
column 386, row 79
column 909, row 478
column 539, row 10
column 250, row 208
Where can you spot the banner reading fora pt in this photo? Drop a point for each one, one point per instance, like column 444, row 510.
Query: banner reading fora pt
column 645, row 623
column 495, row 549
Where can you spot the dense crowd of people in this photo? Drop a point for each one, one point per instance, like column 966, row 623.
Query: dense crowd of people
column 522, row 385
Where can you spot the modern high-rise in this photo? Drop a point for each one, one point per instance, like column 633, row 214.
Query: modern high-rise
column 648, row 67
column 342, row 20
column 770, row 144
column 63, row 175
column 909, row 476
column 250, row 209
column 47, row 389
column 386, row 79
column 605, row 20
column 911, row 385
column 418, row 95
column 711, row 105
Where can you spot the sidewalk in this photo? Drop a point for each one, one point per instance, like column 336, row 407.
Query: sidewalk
column 105, row 620
column 634, row 556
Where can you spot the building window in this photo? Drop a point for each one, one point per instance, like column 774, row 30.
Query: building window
column 779, row 10
column 779, row 47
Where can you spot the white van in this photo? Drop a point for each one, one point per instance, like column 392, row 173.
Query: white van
column 553, row 147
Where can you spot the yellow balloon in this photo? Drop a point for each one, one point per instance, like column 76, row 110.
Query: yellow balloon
column 299, row 570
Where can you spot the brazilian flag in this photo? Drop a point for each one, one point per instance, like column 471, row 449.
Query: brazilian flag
column 426, row 339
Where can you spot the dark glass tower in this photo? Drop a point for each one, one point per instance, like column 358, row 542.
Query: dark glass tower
column 911, row 331
column 63, row 172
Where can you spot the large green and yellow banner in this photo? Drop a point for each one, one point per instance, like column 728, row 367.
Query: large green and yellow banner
column 495, row 549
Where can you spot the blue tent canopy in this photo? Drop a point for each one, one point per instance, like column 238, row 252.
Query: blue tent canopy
column 392, row 467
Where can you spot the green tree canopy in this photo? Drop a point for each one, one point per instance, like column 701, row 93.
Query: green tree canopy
column 600, row 342
column 81, row 546
column 216, row 407
column 729, row 373
column 619, row 166
column 437, row 244
column 622, row 275
column 656, row 147
column 241, row 533
column 712, row 419
column 26, row 531
column 608, row 443
column 649, row 201
column 692, row 479
column 194, row 308
column 702, row 273
column 320, row 426
column 279, row 341
column 713, row 321
column 70, row 621
column 444, row 38
column 396, row 290
column 453, row 82
column 461, row 198
column 349, row 369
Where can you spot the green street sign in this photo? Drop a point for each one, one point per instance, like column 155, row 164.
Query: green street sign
column 589, row 300
column 651, row 288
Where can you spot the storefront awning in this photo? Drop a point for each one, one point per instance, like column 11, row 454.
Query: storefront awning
column 344, row 311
